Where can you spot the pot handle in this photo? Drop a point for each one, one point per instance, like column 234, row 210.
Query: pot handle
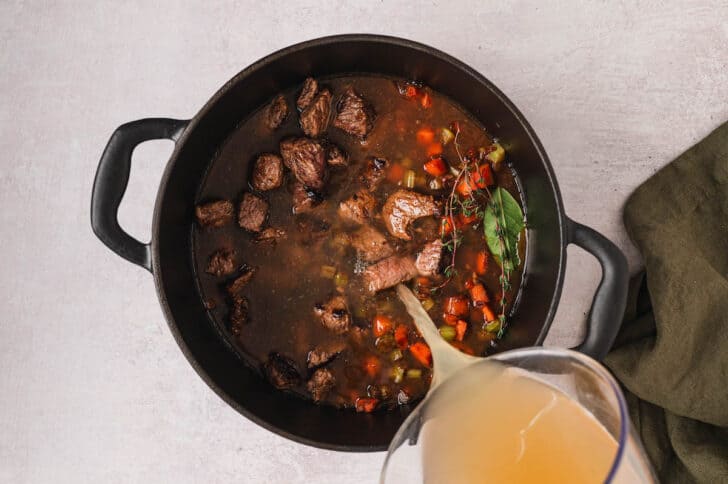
column 610, row 299
column 112, row 177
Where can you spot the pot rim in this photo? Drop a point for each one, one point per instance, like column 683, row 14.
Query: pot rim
column 262, row 62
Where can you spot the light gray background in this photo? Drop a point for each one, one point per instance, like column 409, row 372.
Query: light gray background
column 92, row 386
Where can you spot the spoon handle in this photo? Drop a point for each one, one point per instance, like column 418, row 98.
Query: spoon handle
column 445, row 358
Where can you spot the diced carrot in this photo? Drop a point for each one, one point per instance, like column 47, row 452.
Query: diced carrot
column 466, row 186
column 447, row 226
column 481, row 262
column 457, row 305
column 479, row 295
column 395, row 173
column 426, row 100
column 450, row 319
column 421, row 352
column 366, row 405
column 400, row 336
column 466, row 220
column 371, row 365
column 460, row 329
column 381, row 325
column 423, row 288
column 463, row 347
column 483, row 177
column 434, row 149
column 488, row 314
column 436, row 166
column 425, row 136
column 410, row 91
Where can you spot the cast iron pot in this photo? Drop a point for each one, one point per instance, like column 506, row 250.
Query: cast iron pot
column 169, row 254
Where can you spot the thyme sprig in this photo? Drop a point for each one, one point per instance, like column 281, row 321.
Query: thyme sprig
column 489, row 207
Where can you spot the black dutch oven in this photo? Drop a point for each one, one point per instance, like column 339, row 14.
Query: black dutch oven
column 169, row 255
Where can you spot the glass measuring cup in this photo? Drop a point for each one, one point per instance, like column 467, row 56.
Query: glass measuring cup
column 580, row 379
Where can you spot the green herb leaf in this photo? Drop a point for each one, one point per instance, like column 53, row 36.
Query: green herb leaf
column 502, row 226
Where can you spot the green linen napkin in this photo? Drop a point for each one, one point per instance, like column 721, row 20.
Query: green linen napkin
column 672, row 351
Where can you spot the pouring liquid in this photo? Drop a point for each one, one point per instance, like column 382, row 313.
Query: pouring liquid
column 485, row 422
column 495, row 424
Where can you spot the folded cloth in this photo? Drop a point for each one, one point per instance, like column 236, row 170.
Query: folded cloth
column 672, row 352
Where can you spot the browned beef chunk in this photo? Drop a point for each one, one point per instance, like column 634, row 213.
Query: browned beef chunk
column 307, row 160
column 267, row 172
column 308, row 92
column 403, row 207
column 323, row 354
column 238, row 314
column 374, row 173
column 281, row 371
column 252, row 212
column 359, row 207
column 334, row 315
column 221, row 263
column 214, row 214
column 276, row 112
column 270, row 235
column 304, row 199
column 315, row 118
column 320, row 384
column 428, row 260
column 335, row 156
column 354, row 115
column 237, row 285
column 389, row 272
column 370, row 244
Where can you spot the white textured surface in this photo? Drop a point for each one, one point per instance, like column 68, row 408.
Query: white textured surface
column 92, row 385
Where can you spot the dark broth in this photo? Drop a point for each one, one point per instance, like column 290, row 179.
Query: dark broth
column 288, row 282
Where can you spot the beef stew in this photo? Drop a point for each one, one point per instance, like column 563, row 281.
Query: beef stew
column 385, row 181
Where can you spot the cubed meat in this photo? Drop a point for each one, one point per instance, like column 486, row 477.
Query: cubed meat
column 335, row 156
column 304, row 199
column 315, row 118
column 270, row 235
column 308, row 92
column 321, row 355
column 374, row 173
column 307, row 160
column 388, row 273
column 428, row 260
column 320, row 384
column 267, row 172
column 238, row 284
column 334, row 315
column 221, row 263
column 358, row 208
column 370, row 244
column 281, row 371
column 402, row 208
column 354, row 115
column 238, row 314
column 252, row 212
column 276, row 112
column 214, row 214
